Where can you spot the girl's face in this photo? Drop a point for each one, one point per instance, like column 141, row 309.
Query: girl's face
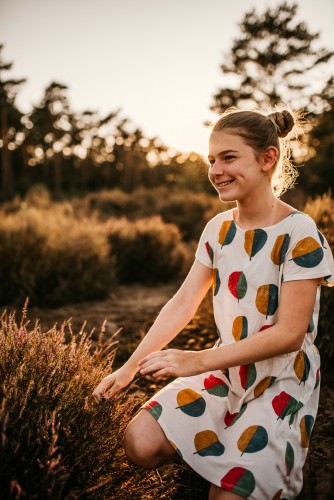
column 234, row 171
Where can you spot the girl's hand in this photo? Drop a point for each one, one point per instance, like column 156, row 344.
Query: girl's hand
column 112, row 383
column 171, row 362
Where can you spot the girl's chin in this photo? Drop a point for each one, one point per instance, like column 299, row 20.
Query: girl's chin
column 226, row 197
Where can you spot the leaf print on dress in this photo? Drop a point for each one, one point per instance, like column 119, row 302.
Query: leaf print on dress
column 231, row 418
column 190, row 402
column 237, row 284
column 267, row 299
column 216, row 281
column 253, row 439
column 317, row 378
column 307, row 253
column 306, row 426
column 207, row 444
column 240, row 328
column 247, row 375
column 239, row 481
column 279, row 249
column 302, row 366
column 322, row 239
column 154, row 408
column 175, row 448
column 278, row 495
column 289, row 458
column 209, row 250
column 227, row 232
column 284, row 405
column 215, row 386
column 255, row 239
column 263, row 385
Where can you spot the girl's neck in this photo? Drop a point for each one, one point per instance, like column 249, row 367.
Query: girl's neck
column 264, row 212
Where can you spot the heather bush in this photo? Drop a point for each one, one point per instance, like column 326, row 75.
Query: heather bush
column 321, row 209
column 147, row 251
column 52, row 258
column 56, row 442
column 189, row 210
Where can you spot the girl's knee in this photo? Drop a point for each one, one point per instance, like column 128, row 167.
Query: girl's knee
column 140, row 446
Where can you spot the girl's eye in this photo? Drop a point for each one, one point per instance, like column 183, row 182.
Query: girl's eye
column 229, row 157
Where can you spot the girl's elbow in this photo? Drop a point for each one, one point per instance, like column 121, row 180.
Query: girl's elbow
column 296, row 340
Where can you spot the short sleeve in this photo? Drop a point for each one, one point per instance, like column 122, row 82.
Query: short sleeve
column 206, row 246
column 309, row 254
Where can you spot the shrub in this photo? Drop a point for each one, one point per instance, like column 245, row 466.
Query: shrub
column 189, row 210
column 321, row 209
column 52, row 258
column 56, row 442
column 147, row 250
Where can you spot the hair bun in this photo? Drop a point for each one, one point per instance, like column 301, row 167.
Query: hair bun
column 283, row 121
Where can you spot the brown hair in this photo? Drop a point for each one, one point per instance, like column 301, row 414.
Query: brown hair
column 261, row 131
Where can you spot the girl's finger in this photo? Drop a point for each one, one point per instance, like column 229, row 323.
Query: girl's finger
column 153, row 355
column 150, row 367
column 164, row 371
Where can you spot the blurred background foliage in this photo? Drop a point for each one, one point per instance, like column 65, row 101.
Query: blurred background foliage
column 275, row 58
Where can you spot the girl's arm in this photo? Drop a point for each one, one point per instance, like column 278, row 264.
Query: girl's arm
column 173, row 317
column 295, row 308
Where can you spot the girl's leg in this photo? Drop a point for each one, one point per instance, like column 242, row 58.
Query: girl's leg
column 217, row 493
column 145, row 442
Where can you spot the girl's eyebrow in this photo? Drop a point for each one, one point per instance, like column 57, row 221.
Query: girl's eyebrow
column 224, row 152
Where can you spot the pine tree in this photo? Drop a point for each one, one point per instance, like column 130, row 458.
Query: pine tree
column 274, row 59
column 9, row 125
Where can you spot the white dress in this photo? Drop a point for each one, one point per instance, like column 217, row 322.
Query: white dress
column 246, row 429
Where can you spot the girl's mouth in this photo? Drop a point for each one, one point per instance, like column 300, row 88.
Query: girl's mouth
column 223, row 184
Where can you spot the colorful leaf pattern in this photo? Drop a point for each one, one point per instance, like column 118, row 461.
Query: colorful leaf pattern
column 263, row 385
column 209, row 249
column 237, row 284
column 253, row 439
column 289, row 458
column 239, row 481
column 302, row 366
column 232, row 418
column 207, row 444
column 255, row 239
column 307, row 253
column 280, row 249
column 306, row 427
column 247, row 375
column 267, row 299
column 240, row 328
column 227, row 232
column 191, row 403
column 216, row 386
column 216, row 281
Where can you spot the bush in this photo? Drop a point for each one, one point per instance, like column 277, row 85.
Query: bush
column 321, row 209
column 52, row 258
column 147, row 250
column 189, row 210
column 56, row 442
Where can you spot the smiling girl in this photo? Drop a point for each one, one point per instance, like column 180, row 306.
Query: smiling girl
column 240, row 414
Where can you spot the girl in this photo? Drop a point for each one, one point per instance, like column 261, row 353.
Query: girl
column 240, row 414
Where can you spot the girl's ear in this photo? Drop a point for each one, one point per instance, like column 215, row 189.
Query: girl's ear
column 269, row 158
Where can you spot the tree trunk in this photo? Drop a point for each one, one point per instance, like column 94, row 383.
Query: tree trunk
column 8, row 187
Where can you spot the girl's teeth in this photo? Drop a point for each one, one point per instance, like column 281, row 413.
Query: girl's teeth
column 224, row 183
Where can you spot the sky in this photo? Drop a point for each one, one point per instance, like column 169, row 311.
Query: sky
column 157, row 60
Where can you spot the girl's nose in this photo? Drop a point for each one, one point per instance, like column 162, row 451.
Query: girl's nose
column 216, row 168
